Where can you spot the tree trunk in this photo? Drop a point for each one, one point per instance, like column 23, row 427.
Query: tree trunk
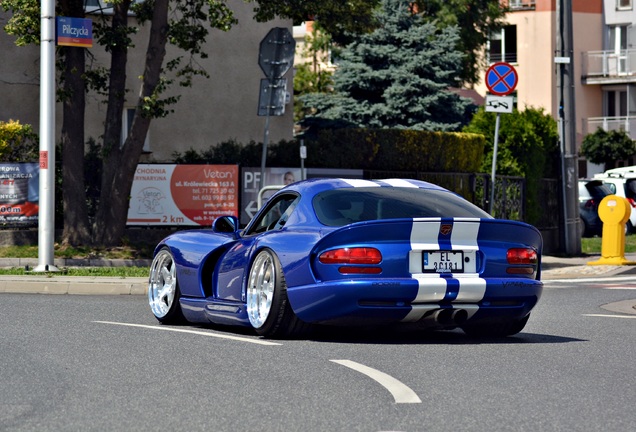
column 120, row 162
column 76, row 225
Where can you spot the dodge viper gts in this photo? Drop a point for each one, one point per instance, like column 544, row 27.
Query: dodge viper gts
column 352, row 252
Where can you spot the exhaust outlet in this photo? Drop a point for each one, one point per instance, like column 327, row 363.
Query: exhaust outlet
column 459, row 316
column 451, row 317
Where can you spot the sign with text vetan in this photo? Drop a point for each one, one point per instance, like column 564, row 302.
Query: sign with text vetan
column 177, row 195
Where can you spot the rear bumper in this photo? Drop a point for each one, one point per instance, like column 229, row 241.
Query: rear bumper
column 412, row 300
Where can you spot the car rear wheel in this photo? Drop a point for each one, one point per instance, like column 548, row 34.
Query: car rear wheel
column 499, row 329
column 268, row 307
column 163, row 289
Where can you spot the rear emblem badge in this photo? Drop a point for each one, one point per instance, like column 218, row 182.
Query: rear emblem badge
column 446, row 229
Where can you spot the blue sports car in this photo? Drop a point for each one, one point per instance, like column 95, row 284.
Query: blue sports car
column 351, row 252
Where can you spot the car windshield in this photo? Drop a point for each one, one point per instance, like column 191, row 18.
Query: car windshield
column 343, row 206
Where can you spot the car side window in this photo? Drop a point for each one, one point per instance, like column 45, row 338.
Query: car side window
column 275, row 215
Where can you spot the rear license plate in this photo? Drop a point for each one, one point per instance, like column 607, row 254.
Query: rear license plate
column 443, row 262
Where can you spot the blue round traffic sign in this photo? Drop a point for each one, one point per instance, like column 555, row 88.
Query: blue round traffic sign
column 501, row 79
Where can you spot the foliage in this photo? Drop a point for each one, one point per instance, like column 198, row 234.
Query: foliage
column 607, row 147
column 372, row 149
column 18, row 143
column 313, row 76
column 527, row 147
column 476, row 21
column 340, row 19
column 398, row 76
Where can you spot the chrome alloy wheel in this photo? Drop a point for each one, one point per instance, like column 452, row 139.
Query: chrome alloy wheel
column 260, row 288
column 162, row 285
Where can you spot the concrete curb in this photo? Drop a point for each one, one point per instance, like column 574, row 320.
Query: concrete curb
column 73, row 285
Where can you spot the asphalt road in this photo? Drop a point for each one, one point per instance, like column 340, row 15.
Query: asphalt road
column 96, row 363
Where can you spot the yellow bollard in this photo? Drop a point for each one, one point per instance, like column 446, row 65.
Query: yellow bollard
column 614, row 211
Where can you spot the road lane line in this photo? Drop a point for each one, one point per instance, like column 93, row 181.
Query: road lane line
column 614, row 279
column 401, row 393
column 202, row 333
column 610, row 316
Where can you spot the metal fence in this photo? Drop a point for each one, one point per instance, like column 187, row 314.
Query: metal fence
column 510, row 193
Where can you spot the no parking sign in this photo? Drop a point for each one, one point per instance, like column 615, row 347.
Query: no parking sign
column 501, row 79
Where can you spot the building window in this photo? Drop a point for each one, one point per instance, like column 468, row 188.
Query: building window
column 103, row 7
column 502, row 46
column 624, row 4
column 128, row 115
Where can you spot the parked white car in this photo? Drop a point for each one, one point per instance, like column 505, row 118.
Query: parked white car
column 622, row 182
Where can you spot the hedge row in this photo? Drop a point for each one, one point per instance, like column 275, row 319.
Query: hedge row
column 370, row 149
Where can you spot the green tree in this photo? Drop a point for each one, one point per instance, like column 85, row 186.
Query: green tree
column 397, row 76
column 185, row 26
column 607, row 147
column 312, row 77
column 341, row 20
column 476, row 21
column 18, row 142
column 527, row 147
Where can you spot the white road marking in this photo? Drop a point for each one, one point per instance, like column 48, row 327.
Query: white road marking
column 401, row 393
column 585, row 280
column 611, row 316
column 197, row 332
column 618, row 287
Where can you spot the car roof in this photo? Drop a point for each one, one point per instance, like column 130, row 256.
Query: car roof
column 317, row 185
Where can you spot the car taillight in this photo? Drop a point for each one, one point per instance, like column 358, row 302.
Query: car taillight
column 357, row 255
column 589, row 203
column 525, row 258
column 354, row 260
column 632, row 202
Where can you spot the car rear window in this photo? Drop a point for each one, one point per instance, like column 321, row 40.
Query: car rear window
column 343, row 206
column 598, row 189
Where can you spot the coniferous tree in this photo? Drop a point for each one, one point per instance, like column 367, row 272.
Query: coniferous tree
column 398, row 76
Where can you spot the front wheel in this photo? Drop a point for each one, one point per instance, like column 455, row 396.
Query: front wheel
column 163, row 289
column 268, row 307
column 496, row 330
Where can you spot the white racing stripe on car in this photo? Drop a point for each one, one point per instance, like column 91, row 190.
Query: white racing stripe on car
column 398, row 183
column 432, row 287
column 360, row 183
column 196, row 332
column 424, row 235
column 464, row 235
column 471, row 289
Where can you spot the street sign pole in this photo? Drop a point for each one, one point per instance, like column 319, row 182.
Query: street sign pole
column 494, row 167
column 501, row 80
column 46, row 214
column 275, row 57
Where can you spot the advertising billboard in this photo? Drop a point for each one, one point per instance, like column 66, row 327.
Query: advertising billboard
column 19, row 193
column 182, row 195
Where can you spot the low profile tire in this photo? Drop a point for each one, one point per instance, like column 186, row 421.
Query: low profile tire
column 163, row 289
column 268, row 307
column 496, row 330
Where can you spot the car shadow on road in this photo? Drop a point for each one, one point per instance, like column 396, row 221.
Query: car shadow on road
column 399, row 336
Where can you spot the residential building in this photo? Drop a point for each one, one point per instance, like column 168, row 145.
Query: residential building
column 529, row 43
column 213, row 110
column 611, row 71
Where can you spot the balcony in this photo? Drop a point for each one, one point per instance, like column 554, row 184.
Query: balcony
column 609, row 67
column 627, row 124
column 521, row 5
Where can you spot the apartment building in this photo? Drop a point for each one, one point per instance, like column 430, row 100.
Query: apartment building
column 529, row 42
column 213, row 110
column 611, row 71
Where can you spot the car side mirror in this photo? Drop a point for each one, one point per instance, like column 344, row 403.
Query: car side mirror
column 226, row 224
